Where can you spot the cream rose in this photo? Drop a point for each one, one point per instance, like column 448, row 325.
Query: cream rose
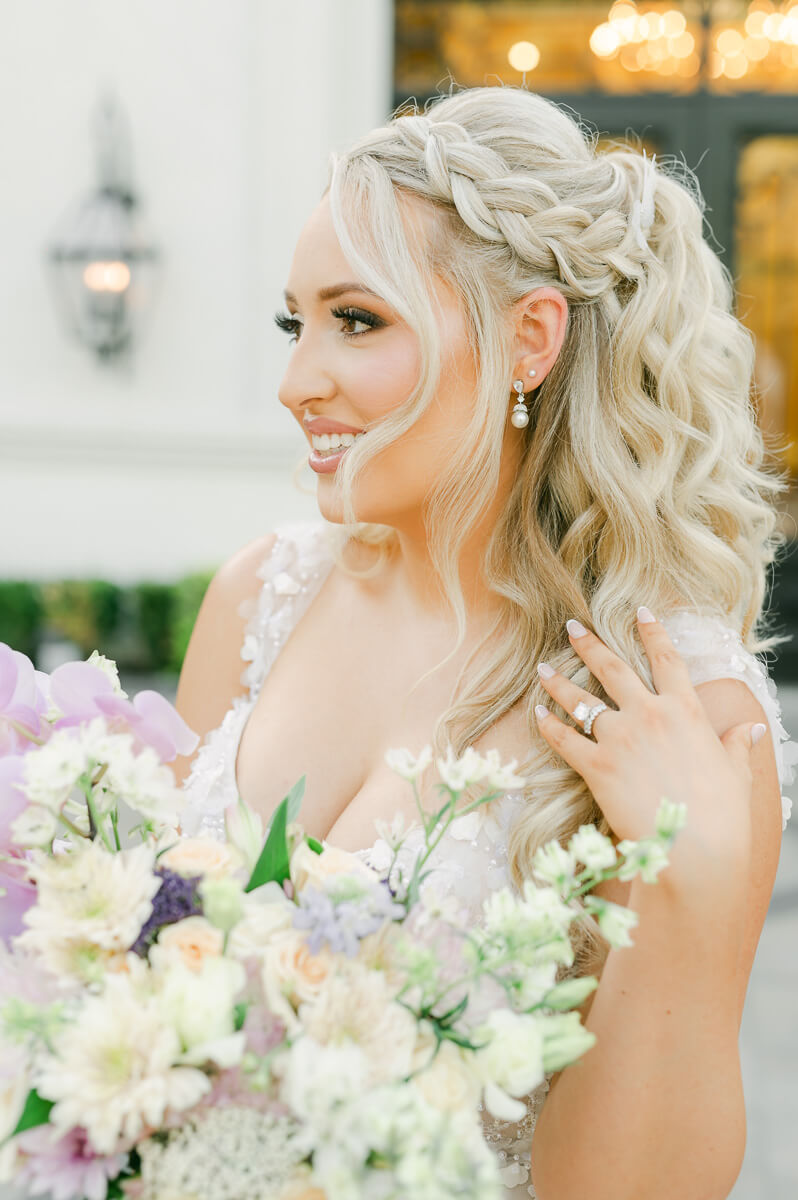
column 192, row 940
column 308, row 867
column 447, row 1083
column 299, row 973
column 201, row 856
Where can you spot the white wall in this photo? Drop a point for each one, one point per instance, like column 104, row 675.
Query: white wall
column 175, row 459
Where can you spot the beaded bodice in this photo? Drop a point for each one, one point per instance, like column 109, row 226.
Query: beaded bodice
column 471, row 860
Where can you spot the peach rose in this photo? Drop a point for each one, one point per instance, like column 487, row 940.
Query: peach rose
column 297, row 972
column 201, row 856
column 308, row 867
column 192, row 940
column 446, row 1083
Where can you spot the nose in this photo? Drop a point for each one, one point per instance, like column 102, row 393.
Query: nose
column 304, row 383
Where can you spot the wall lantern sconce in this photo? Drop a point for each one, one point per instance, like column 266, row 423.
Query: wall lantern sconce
column 101, row 264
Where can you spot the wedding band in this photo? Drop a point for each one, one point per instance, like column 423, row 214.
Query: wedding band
column 583, row 713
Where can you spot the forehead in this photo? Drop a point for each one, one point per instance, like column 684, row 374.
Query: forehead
column 319, row 252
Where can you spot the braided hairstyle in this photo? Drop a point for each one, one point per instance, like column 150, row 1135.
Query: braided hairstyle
column 643, row 475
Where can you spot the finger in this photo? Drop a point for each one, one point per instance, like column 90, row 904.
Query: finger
column 668, row 668
column 617, row 678
column 740, row 740
column 568, row 694
column 577, row 750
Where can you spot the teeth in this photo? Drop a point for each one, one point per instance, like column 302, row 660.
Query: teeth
column 333, row 441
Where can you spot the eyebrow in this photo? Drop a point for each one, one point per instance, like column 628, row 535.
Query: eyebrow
column 337, row 289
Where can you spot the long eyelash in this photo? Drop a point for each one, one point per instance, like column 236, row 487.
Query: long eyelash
column 290, row 324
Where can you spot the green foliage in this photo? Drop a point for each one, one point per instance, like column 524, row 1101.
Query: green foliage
column 154, row 608
column 84, row 610
column 273, row 860
column 20, row 615
column 188, row 596
column 36, row 1112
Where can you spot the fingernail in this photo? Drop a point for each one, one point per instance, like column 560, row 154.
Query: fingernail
column 644, row 615
column 541, row 712
column 545, row 671
column 759, row 730
column 575, row 628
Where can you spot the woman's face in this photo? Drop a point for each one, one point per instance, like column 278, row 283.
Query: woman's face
column 354, row 361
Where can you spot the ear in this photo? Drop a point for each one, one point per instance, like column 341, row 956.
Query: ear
column 541, row 318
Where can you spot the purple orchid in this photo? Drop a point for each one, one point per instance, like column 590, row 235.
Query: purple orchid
column 23, row 700
column 81, row 692
column 17, row 894
column 67, row 1167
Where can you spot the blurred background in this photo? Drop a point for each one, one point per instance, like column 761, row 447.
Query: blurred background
column 159, row 160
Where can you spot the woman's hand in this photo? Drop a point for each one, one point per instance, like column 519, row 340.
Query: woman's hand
column 656, row 744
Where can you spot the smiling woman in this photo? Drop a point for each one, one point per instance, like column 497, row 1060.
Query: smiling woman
column 477, row 260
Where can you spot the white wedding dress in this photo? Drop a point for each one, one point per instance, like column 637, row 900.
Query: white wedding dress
column 471, row 859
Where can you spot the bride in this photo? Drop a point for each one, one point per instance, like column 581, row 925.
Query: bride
column 527, row 404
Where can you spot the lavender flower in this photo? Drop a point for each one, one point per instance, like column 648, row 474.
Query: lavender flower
column 342, row 917
column 176, row 899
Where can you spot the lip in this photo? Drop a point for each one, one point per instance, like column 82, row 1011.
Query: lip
column 325, row 425
column 327, row 464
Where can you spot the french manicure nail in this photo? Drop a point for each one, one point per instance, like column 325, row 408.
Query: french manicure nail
column 541, row 711
column 644, row 615
column 575, row 628
column 545, row 671
column 759, row 730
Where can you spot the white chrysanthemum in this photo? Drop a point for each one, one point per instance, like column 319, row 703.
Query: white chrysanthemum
column 317, row 1078
column 89, row 898
column 592, row 848
column 115, row 1068
column 405, row 764
column 358, row 1004
column 230, row 1153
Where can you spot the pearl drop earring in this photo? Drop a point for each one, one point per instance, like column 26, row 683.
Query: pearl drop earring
column 520, row 415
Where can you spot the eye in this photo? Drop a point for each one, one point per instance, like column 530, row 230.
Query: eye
column 349, row 316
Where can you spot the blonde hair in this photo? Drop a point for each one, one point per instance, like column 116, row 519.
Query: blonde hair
column 643, row 477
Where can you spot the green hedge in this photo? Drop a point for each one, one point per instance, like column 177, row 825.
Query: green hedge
column 144, row 627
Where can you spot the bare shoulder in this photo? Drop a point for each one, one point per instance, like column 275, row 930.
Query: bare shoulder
column 211, row 675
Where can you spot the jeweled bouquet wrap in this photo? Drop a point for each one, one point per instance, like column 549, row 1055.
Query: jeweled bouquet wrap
column 265, row 1017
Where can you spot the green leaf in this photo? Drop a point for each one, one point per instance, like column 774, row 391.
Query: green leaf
column 272, row 864
column 36, row 1112
column 315, row 846
column 239, row 1016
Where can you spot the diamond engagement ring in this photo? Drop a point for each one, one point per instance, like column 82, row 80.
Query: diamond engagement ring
column 583, row 712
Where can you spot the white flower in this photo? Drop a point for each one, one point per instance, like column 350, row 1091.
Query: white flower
column 109, row 669
column 145, row 784
column 615, row 921
column 199, row 1005
column 513, row 1056
column 501, row 778
column 555, row 865
column 316, row 1077
column 35, row 826
column 222, row 901
column 460, row 773
column 114, row 1069
column 393, row 833
column 648, row 856
column 267, row 911
column 447, row 1083
column 89, row 898
column 356, row 1003
column 670, row 818
column 51, row 771
column 188, row 942
column 403, row 763
column 221, row 1153
column 592, row 848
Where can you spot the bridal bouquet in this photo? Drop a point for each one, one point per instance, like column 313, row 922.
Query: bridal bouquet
column 266, row 1017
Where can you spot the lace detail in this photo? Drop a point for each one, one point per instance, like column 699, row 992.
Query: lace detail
column 713, row 650
column 471, row 859
column 291, row 575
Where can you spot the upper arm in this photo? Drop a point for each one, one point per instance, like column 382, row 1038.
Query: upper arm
column 211, row 675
